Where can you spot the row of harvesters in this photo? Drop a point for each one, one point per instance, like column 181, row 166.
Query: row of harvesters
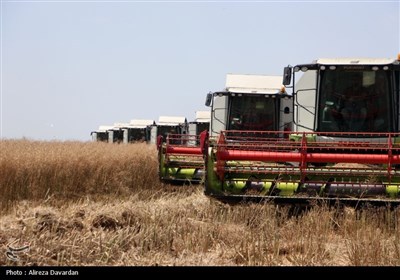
column 135, row 131
column 335, row 137
column 248, row 103
column 141, row 130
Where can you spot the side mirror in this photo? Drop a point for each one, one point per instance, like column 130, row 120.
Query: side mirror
column 208, row 99
column 287, row 75
column 286, row 110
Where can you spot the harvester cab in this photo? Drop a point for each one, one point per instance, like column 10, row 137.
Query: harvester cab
column 137, row 131
column 250, row 103
column 252, row 114
column 116, row 133
column 167, row 125
column 346, row 146
column 101, row 134
column 201, row 123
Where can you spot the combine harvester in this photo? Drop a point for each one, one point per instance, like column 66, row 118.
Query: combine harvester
column 116, row 133
column 101, row 135
column 167, row 125
column 137, row 130
column 346, row 147
column 111, row 134
column 252, row 112
column 201, row 123
column 179, row 153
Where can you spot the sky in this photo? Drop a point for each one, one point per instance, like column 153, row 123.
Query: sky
column 68, row 67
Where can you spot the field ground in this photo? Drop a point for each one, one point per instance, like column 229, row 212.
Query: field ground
column 95, row 204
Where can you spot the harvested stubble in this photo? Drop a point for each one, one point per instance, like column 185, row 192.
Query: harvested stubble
column 100, row 204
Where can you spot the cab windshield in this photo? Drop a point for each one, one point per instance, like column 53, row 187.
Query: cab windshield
column 353, row 101
column 254, row 113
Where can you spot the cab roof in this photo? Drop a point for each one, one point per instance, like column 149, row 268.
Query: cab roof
column 257, row 84
column 356, row 61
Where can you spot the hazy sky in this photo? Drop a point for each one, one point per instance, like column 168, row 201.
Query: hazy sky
column 68, row 67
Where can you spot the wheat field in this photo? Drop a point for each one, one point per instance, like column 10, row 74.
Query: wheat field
column 100, row 204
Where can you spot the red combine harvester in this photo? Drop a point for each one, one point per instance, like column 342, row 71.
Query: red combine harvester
column 179, row 153
column 248, row 103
